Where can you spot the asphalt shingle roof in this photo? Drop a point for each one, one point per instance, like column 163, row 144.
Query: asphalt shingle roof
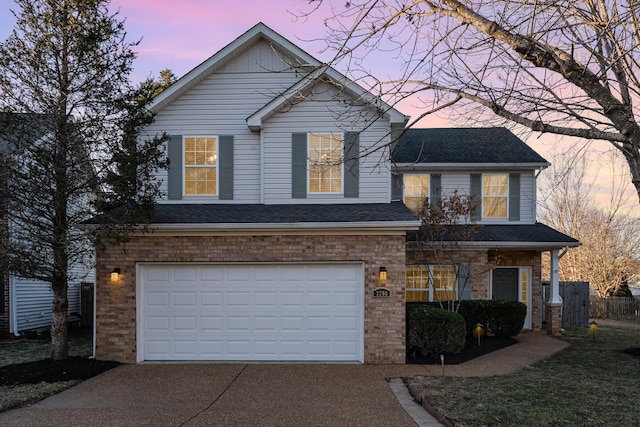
column 529, row 233
column 463, row 145
column 280, row 214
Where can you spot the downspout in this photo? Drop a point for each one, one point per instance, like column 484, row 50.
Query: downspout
column 13, row 306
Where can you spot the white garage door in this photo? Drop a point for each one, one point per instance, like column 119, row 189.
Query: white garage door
column 259, row 312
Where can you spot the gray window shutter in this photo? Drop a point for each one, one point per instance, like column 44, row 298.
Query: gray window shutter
column 174, row 152
column 476, row 192
column 464, row 282
column 299, row 166
column 351, row 164
column 397, row 187
column 225, row 167
column 514, row 197
column 435, row 189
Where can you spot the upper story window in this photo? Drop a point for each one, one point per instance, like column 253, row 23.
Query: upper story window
column 495, row 191
column 201, row 166
column 325, row 163
column 416, row 189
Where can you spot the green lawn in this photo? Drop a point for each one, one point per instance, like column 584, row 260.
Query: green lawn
column 591, row 383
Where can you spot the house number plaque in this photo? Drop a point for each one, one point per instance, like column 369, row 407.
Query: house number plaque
column 381, row 292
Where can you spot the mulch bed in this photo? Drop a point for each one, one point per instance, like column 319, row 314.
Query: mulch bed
column 470, row 351
column 51, row 371
column 634, row 351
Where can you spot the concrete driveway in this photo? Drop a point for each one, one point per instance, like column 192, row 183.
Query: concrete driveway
column 224, row 395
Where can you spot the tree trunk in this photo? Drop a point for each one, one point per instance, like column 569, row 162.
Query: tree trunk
column 59, row 322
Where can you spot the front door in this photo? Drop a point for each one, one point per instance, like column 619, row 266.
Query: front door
column 505, row 284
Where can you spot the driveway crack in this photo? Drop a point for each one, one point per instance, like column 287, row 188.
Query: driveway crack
column 217, row 398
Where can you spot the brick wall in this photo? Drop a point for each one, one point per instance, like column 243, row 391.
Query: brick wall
column 384, row 323
column 482, row 262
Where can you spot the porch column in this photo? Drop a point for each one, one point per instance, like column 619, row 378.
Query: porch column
column 554, row 304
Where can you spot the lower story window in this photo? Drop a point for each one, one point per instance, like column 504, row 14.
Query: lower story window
column 431, row 283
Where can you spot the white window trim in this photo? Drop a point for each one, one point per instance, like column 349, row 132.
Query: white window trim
column 482, row 195
column 321, row 194
column 184, row 170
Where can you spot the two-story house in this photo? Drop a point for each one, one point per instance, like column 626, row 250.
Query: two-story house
column 501, row 249
column 281, row 236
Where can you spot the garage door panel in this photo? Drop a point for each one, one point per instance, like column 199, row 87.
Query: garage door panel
column 212, row 323
column 346, row 299
column 211, row 299
column 184, row 298
column 157, row 300
column 242, row 298
column 185, row 324
column 284, row 312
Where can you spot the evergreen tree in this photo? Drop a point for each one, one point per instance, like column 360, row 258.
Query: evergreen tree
column 74, row 148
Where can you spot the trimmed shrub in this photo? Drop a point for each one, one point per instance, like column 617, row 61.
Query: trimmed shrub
column 432, row 331
column 500, row 317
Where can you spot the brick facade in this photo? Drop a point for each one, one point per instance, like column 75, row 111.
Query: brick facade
column 384, row 318
column 483, row 261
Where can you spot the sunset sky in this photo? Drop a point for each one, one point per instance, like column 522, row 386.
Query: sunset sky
column 181, row 35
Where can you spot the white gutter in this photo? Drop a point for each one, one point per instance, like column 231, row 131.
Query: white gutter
column 401, row 167
column 373, row 227
column 13, row 307
column 511, row 245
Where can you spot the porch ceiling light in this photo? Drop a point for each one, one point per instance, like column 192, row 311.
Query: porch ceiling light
column 115, row 274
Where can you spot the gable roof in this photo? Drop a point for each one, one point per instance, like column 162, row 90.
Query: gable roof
column 464, row 146
column 317, row 70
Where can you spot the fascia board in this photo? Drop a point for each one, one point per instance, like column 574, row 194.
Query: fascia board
column 206, row 67
column 513, row 245
column 410, row 167
column 322, row 226
column 254, row 122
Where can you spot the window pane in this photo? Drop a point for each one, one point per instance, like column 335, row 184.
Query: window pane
column 495, row 185
column 494, row 207
column 417, row 283
column 325, row 163
column 444, row 283
column 200, row 159
column 495, row 191
column 416, row 188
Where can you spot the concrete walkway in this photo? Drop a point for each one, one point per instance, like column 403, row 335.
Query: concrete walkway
column 204, row 394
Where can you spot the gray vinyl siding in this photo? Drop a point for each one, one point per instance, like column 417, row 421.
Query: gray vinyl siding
column 32, row 301
column 314, row 116
column 219, row 105
column 460, row 181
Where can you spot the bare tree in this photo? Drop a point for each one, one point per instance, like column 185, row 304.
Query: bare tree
column 442, row 241
column 569, row 68
column 610, row 252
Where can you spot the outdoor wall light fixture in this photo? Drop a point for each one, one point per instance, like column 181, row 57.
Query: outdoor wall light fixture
column 115, row 274
column 383, row 274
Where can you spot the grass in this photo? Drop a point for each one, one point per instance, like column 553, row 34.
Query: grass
column 591, row 383
column 30, row 350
